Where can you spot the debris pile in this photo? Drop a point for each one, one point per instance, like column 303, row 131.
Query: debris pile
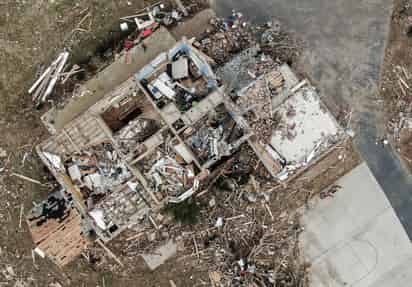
column 44, row 85
column 215, row 138
column 209, row 142
column 240, row 241
column 228, row 37
column 118, row 209
column 185, row 80
column 135, row 132
column 400, row 125
column 98, row 170
column 244, row 68
column 110, row 195
column 235, row 34
column 166, row 13
column 256, row 100
column 170, row 178
column 279, row 44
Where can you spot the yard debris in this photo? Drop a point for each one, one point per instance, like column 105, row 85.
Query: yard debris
column 234, row 34
column 396, row 84
column 400, row 125
column 242, row 250
column 163, row 12
column 39, row 252
column 171, row 178
column 111, row 254
column 179, row 142
column 124, row 26
column 45, row 84
column 26, row 178
column 228, row 38
column 262, row 119
column 330, row 192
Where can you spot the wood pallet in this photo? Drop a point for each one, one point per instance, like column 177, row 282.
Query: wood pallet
column 62, row 241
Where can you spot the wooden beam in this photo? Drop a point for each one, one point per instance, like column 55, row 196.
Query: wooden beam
column 111, row 254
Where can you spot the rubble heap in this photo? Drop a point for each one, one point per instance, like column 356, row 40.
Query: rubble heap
column 171, row 178
column 238, row 240
column 396, row 83
column 208, row 142
column 215, row 138
column 228, row 37
column 244, row 68
column 235, row 34
column 98, row 170
column 259, row 96
column 242, row 235
column 279, row 44
column 400, row 124
column 135, row 132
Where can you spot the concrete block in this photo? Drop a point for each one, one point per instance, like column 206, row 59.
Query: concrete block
column 160, row 255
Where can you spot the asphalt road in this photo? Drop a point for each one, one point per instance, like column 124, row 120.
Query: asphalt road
column 345, row 42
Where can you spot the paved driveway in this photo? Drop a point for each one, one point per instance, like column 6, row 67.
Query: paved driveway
column 355, row 239
column 345, row 49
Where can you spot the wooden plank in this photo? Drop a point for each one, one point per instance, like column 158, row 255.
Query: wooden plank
column 62, row 241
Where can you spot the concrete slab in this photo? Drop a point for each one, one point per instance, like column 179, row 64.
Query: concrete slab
column 160, row 255
column 310, row 123
column 111, row 77
column 355, row 239
column 343, row 268
column 400, row 274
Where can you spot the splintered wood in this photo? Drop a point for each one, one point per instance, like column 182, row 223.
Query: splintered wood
column 262, row 118
column 249, row 234
column 60, row 241
column 45, row 84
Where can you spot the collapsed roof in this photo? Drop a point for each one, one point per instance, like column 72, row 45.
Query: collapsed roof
column 155, row 138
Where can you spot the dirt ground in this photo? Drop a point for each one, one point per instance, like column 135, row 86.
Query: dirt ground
column 396, row 79
column 31, row 34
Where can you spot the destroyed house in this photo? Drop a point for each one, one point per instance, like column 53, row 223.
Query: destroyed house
column 150, row 141
column 160, row 135
column 293, row 127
